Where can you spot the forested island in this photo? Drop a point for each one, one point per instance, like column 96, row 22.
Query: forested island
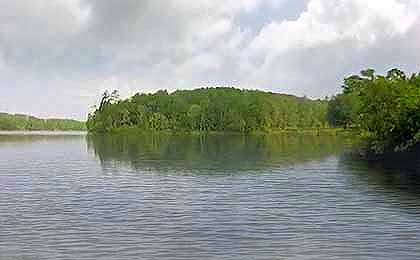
column 208, row 109
column 20, row 122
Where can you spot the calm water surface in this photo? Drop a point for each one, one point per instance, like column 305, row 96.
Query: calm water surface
column 216, row 197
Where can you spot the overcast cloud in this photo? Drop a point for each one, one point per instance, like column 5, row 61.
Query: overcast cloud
column 57, row 57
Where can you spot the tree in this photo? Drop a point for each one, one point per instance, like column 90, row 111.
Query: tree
column 207, row 109
column 368, row 73
column 385, row 109
column 396, row 74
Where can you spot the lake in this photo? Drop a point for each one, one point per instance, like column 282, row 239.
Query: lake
column 71, row 196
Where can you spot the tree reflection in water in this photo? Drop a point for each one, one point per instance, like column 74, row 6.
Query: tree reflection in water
column 214, row 152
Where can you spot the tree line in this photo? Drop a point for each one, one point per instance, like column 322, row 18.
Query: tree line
column 208, row 109
column 385, row 108
column 9, row 122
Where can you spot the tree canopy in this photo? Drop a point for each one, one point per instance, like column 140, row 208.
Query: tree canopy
column 208, row 109
column 385, row 108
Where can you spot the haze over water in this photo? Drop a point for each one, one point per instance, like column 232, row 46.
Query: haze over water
column 194, row 197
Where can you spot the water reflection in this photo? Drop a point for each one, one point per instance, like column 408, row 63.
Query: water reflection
column 19, row 138
column 396, row 177
column 60, row 202
column 217, row 152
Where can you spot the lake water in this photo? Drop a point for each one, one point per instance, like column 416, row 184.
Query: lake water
column 215, row 197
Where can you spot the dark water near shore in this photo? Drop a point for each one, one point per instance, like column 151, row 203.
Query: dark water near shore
column 216, row 197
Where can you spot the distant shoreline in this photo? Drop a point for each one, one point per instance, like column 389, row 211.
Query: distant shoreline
column 42, row 132
column 21, row 122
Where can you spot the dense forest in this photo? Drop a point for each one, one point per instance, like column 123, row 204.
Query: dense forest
column 9, row 122
column 386, row 109
column 208, row 109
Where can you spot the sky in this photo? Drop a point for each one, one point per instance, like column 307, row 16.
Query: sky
column 57, row 57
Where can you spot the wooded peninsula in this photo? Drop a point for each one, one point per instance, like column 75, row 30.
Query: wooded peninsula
column 384, row 109
column 207, row 110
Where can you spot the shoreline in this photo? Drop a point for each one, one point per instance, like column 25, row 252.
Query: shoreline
column 315, row 132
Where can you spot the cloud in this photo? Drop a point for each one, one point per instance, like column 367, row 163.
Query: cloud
column 56, row 57
column 325, row 22
column 332, row 38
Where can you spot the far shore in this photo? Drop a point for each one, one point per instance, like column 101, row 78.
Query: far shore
column 41, row 132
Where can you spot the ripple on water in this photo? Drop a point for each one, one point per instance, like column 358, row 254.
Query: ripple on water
column 68, row 197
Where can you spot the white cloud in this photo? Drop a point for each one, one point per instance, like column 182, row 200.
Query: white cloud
column 329, row 33
column 326, row 21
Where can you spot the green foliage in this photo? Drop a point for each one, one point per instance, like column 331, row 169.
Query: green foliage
column 209, row 109
column 385, row 108
column 10, row 122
